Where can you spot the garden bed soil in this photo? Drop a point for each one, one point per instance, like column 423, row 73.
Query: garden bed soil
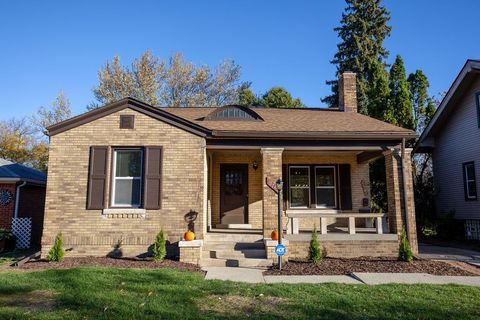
column 109, row 262
column 341, row 266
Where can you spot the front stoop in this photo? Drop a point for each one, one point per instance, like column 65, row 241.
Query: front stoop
column 234, row 250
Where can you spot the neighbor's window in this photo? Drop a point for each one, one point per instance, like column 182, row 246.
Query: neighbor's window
column 127, row 178
column 325, row 187
column 299, row 186
column 469, row 181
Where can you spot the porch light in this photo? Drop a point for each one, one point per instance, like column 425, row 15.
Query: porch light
column 279, row 184
column 255, row 165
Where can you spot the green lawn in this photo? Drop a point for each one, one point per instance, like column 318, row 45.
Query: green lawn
column 103, row 293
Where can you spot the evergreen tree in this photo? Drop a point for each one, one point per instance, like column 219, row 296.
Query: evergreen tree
column 405, row 251
column 56, row 253
column 379, row 105
column 159, row 247
column 314, row 251
column 278, row 97
column 362, row 32
column 400, row 95
column 419, row 96
column 246, row 97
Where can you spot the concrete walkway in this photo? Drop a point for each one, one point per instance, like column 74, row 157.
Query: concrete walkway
column 433, row 252
column 428, row 251
column 256, row 276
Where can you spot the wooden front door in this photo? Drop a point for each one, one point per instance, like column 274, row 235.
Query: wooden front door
column 234, row 193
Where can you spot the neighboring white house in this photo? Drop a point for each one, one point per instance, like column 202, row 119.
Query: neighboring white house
column 453, row 137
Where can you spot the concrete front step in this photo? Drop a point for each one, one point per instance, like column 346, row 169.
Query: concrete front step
column 240, row 262
column 233, row 237
column 222, row 245
column 234, row 254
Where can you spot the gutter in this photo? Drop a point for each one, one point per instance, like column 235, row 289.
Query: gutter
column 389, row 135
column 17, row 198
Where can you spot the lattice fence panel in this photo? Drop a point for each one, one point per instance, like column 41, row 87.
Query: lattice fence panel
column 22, row 229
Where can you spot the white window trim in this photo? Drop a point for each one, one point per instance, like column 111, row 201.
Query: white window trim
column 334, row 187
column 467, row 180
column 291, row 188
column 114, row 178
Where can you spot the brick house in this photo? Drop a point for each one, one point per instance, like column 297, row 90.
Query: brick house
column 119, row 173
column 22, row 195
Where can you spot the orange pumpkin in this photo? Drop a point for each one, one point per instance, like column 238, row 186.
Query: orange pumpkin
column 274, row 235
column 189, row 236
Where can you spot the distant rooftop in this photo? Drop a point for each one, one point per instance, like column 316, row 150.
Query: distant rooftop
column 19, row 172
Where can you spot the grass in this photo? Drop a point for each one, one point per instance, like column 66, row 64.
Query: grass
column 106, row 293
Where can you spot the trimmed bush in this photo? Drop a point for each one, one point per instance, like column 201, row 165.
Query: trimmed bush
column 159, row 247
column 56, row 253
column 405, row 251
column 314, row 251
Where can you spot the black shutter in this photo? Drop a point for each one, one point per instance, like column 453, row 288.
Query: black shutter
column 345, row 187
column 153, row 178
column 97, row 177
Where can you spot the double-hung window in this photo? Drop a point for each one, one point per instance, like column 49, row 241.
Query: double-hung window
column 469, row 181
column 299, row 186
column 325, row 187
column 127, row 178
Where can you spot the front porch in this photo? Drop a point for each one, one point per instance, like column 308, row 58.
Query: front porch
column 325, row 188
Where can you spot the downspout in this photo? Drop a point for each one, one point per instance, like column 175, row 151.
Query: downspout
column 405, row 197
column 17, row 198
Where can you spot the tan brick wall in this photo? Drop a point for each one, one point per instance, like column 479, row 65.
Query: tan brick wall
column 396, row 208
column 255, row 195
column 191, row 255
column 346, row 249
column 87, row 232
column 358, row 173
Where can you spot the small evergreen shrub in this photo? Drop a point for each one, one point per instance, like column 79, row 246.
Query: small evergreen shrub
column 56, row 253
column 405, row 251
column 314, row 251
column 159, row 247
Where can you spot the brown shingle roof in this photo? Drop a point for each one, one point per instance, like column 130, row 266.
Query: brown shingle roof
column 306, row 121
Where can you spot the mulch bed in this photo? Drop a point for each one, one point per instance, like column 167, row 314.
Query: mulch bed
column 341, row 266
column 146, row 263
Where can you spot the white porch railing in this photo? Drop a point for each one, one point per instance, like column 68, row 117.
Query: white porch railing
column 295, row 215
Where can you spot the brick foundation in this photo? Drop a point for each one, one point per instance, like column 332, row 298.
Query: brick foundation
column 347, row 249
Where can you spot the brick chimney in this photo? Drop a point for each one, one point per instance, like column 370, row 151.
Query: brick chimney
column 347, row 92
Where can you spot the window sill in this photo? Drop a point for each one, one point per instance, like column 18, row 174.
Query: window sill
column 127, row 213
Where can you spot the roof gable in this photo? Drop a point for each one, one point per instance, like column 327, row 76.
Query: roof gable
column 465, row 77
column 133, row 104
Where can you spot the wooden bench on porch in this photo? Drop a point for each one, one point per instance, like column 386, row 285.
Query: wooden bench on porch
column 295, row 215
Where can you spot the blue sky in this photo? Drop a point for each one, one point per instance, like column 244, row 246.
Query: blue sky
column 48, row 46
